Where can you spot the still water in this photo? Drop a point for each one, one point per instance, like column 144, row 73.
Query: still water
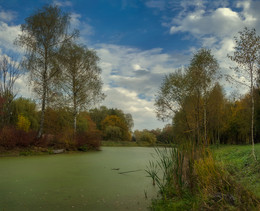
column 80, row 181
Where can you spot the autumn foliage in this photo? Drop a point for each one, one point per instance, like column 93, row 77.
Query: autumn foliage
column 89, row 139
column 115, row 129
column 11, row 137
column 23, row 123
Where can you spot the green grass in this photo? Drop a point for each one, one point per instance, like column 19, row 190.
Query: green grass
column 238, row 161
column 231, row 172
column 25, row 152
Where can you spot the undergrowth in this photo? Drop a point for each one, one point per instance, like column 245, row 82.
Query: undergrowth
column 238, row 161
column 190, row 178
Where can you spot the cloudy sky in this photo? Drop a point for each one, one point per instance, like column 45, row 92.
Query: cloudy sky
column 140, row 41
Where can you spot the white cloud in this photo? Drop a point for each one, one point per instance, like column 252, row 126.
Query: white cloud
column 134, row 69
column 158, row 4
column 75, row 20
column 22, row 88
column 7, row 16
column 221, row 22
column 8, row 34
column 132, row 78
column 214, row 26
column 205, row 18
column 83, row 26
column 142, row 110
column 62, row 3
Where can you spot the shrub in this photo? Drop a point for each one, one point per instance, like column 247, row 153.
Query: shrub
column 218, row 189
column 44, row 141
column 25, row 139
column 115, row 125
column 65, row 139
column 10, row 137
column 145, row 136
column 112, row 133
column 90, row 140
column 23, row 123
column 82, row 122
column 28, row 109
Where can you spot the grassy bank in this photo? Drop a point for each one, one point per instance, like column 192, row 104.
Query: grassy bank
column 238, row 161
column 31, row 151
column 223, row 178
column 25, row 151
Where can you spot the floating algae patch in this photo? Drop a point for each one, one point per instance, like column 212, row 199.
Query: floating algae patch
column 81, row 181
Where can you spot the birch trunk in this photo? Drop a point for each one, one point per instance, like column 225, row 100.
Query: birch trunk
column 252, row 115
column 43, row 111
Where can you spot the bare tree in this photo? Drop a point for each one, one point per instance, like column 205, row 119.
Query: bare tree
column 9, row 73
column 247, row 57
column 43, row 33
column 80, row 79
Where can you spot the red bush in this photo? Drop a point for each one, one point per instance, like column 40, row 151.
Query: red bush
column 25, row 139
column 90, row 140
column 65, row 139
column 45, row 141
column 10, row 138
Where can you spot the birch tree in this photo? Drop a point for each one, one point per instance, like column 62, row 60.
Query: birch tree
column 185, row 90
column 247, row 58
column 202, row 72
column 80, row 78
column 43, row 33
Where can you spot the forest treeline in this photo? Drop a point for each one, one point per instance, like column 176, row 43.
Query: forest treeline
column 228, row 119
column 194, row 100
column 58, row 131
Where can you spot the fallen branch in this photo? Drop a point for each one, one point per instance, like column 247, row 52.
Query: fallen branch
column 125, row 172
column 115, row 169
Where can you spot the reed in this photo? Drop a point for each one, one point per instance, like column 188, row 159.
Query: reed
column 189, row 178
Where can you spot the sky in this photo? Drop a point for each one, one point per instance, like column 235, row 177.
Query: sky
column 141, row 41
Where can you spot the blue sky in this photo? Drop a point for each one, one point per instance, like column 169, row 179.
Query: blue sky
column 139, row 41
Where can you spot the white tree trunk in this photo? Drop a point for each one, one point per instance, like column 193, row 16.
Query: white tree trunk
column 252, row 116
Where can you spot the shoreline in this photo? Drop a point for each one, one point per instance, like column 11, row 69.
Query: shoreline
column 31, row 151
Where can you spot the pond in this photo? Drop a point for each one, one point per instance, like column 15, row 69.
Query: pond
column 79, row 181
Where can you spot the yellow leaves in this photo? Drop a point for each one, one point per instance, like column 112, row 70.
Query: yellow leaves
column 112, row 120
column 23, row 123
